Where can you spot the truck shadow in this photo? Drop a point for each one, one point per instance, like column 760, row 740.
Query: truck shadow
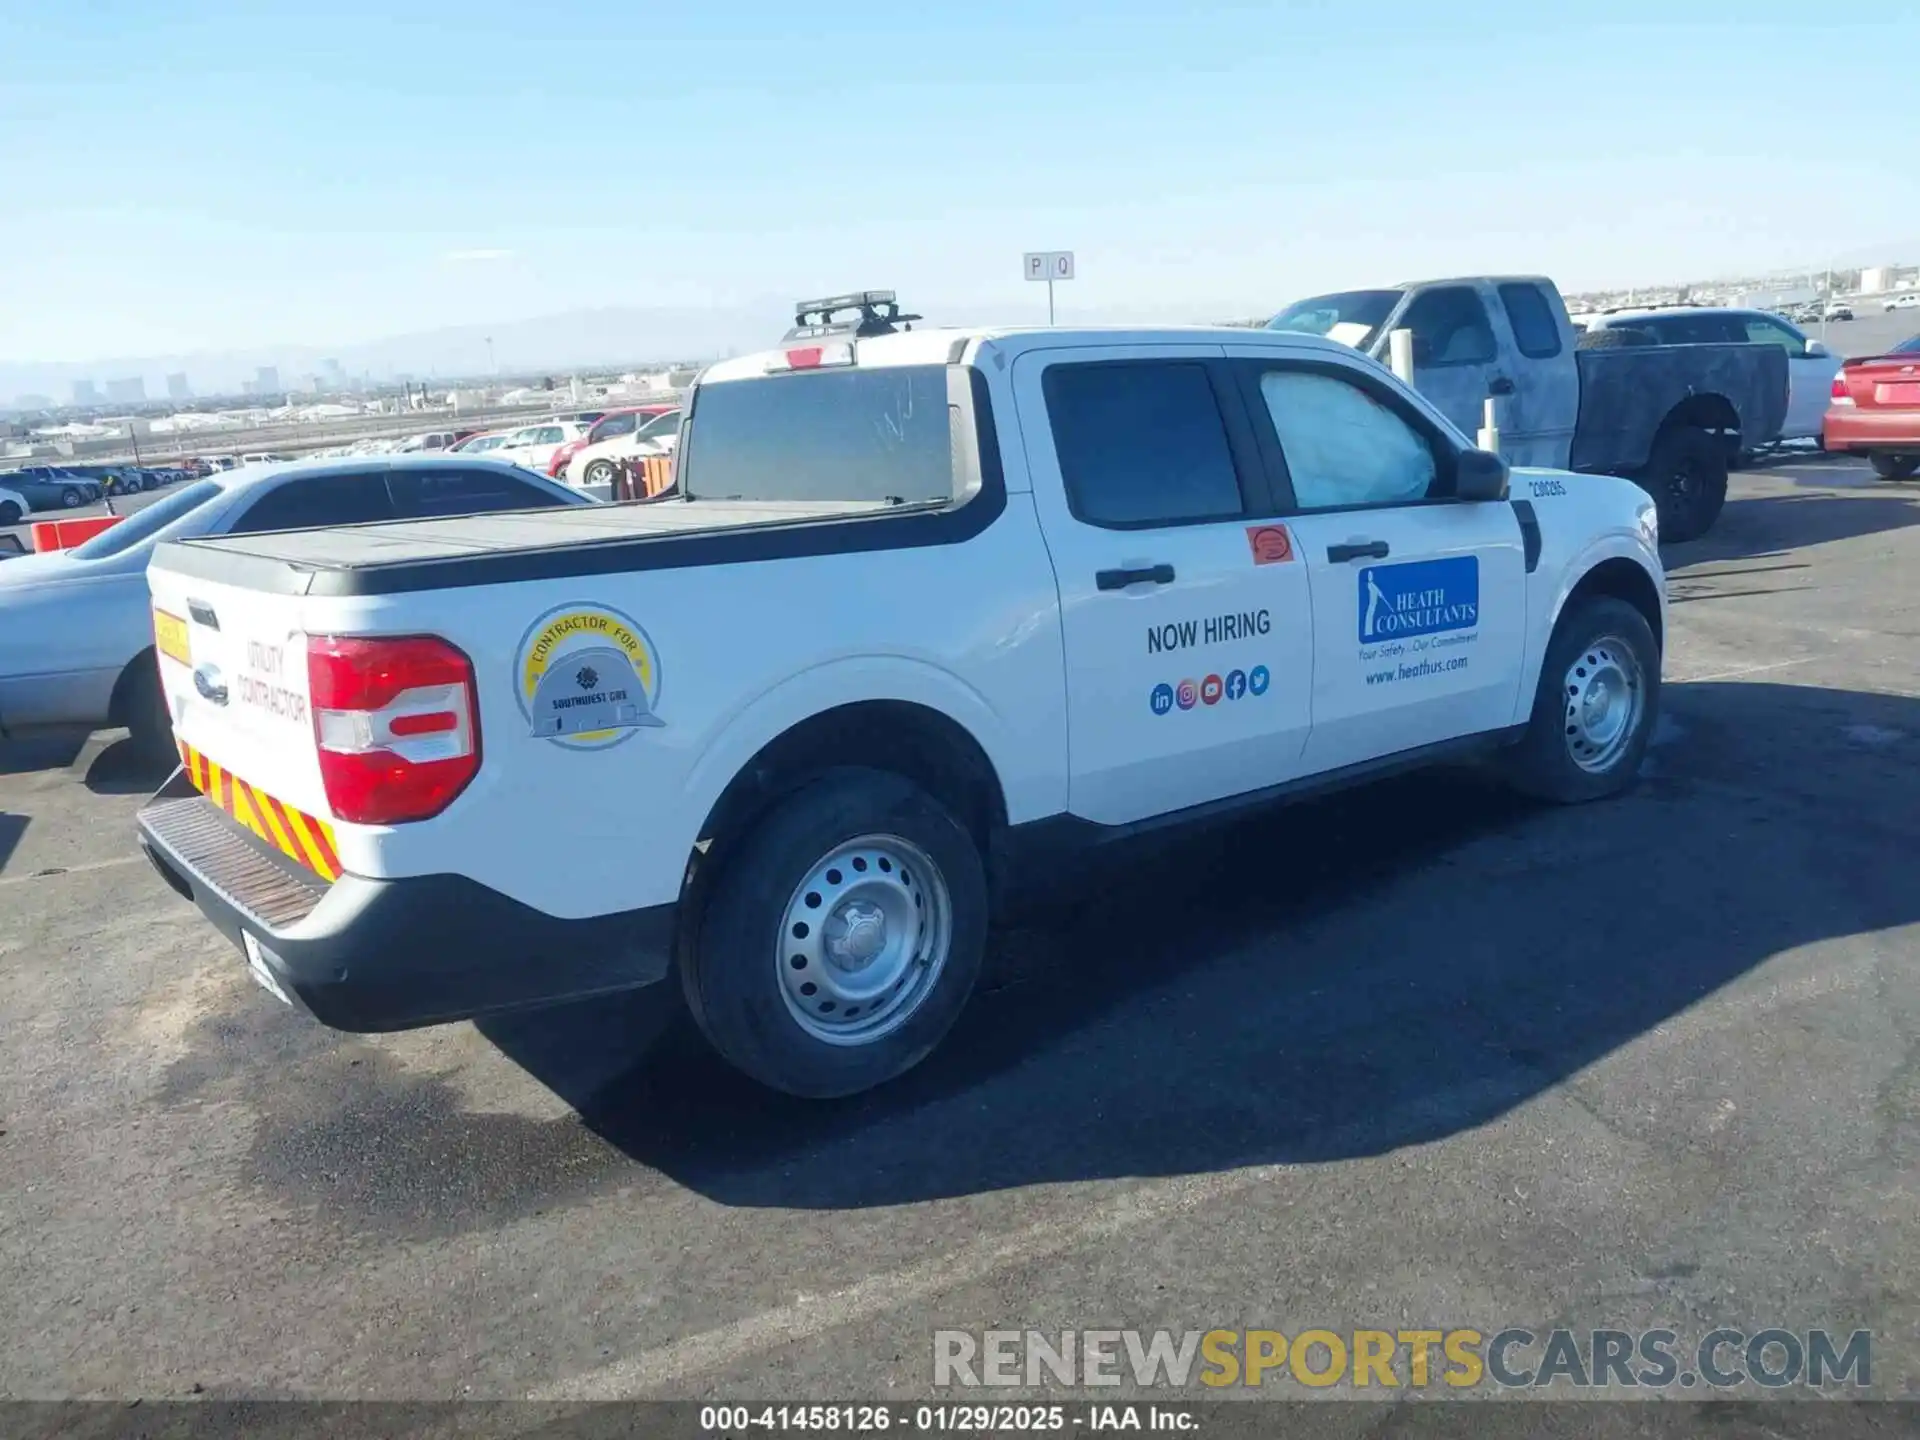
column 1377, row 970
column 1776, row 525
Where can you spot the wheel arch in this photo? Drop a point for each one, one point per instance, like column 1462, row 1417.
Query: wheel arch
column 118, row 711
column 1621, row 578
column 1708, row 411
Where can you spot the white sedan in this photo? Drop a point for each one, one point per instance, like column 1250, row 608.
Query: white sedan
column 532, row 446
column 76, row 629
column 593, row 468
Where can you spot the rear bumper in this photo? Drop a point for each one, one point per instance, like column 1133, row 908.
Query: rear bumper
column 375, row 955
column 1849, row 427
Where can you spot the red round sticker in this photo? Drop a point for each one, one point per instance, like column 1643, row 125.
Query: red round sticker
column 1211, row 689
column 1271, row 544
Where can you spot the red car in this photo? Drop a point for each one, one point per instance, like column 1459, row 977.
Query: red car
column 1875, row 410
column 608, row 426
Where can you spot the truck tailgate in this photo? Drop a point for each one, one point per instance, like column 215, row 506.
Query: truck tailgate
column 233, row 667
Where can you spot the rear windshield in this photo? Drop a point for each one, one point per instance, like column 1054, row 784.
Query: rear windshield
column 877, row 435
column 1353, row 317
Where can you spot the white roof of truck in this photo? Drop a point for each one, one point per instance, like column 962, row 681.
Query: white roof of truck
column 943, row 346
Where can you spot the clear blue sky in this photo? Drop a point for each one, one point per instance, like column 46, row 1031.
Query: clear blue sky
column 202, row 175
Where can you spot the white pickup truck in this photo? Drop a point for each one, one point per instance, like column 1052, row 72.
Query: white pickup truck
column 925, row 614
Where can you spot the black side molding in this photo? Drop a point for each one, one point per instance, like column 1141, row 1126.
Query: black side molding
column 1529, row 532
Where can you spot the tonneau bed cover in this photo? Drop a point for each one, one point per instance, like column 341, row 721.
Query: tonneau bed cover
column 403, row 555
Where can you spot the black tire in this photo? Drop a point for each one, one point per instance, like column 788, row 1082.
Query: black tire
column 1894, row 467
column 70, row 497
column 1687, row 477
column 144, row 710
column 599, row 472
column 1543, row 764
column 731, row 971
column 10, row 513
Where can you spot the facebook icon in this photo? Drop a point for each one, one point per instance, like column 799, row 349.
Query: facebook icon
column 1162, row 700
column 1236, row 684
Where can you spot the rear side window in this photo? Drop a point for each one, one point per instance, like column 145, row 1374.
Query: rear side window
column 1141, row 443
column 1532, row 319
column 420, row 494
column 870, row 435
column 318, row 502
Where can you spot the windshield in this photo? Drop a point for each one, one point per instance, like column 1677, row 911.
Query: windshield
column 831, row 435
column 143, row 524
column 659, row 425
column 1353, row 317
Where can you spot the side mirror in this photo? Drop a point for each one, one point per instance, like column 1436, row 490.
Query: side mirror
column 1817, row 351
column 1479, row 475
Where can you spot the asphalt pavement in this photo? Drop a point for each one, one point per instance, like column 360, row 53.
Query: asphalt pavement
column 1424, row 1054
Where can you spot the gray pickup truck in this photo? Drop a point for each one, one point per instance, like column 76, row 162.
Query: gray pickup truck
column 1666, row 417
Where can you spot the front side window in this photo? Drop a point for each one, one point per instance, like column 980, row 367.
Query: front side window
column 1142, row 443
column 1449, row 327
column 1343, row 447
column 319, row 502
column 845, row 435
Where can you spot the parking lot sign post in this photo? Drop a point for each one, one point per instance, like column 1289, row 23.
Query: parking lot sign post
column 1048, row 265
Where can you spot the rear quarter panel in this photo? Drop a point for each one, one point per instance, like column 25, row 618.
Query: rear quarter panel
column 741, row 654
column 1625, row 394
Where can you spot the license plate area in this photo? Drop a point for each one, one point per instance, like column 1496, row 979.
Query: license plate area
column 1904, row 392
column 170, row 636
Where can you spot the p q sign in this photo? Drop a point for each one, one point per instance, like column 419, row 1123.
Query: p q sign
column 1048, row 264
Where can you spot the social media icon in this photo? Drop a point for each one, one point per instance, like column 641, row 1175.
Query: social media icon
column 1236, row 684
column 1257, row 679
column 1187, row 696
column 1162, row 699
column 1210, row 689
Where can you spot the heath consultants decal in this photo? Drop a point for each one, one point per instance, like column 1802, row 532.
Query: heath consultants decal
column 1417, row 615
column 1421, row 597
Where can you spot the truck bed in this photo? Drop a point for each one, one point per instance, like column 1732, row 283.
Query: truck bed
column 1626, row 393
column 402, row 555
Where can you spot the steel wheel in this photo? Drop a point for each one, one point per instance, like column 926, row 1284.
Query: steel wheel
column 1605, row 699
column 863, row 940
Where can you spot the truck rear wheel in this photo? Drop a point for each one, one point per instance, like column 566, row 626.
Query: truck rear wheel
column 1594, row 709
column 840, row 941
column 1687, row 477
column 1894, row 467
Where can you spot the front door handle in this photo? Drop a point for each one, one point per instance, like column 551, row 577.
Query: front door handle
column 1500, row 385
column 1359, row 550
column 1121, row 579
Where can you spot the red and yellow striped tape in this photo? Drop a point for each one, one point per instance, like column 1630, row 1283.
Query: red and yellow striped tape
column 294, row 833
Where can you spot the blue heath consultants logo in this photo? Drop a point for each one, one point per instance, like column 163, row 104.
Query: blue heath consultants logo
column 1421, row 597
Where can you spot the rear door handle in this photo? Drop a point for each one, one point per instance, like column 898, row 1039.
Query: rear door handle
column 1121, row 579
column 1360, row 550
column 1500, row 385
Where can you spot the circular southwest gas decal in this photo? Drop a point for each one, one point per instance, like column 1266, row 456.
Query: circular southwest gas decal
column 587, row 677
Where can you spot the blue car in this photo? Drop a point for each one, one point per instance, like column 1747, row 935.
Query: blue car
column 50, row 487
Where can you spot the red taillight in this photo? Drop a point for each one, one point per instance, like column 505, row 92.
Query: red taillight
column 1840, row 395
column 396, row 722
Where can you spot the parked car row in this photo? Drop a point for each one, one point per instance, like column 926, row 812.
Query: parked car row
column 76, row 637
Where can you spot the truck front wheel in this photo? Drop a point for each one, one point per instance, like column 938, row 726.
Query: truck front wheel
column 1594, row 709
column 841, row 939
column 1687, row 477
